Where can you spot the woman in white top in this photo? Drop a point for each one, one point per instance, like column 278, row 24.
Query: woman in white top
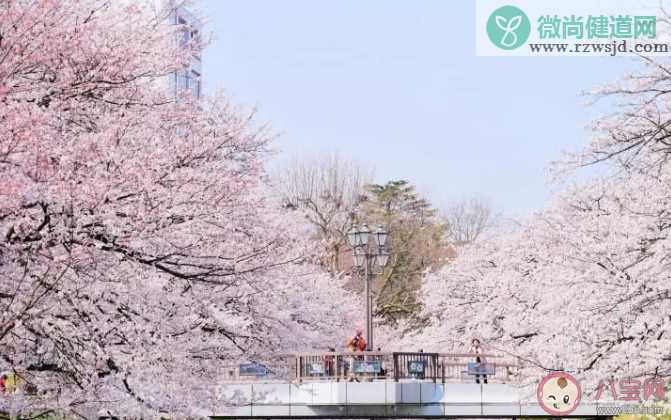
column 476, row 350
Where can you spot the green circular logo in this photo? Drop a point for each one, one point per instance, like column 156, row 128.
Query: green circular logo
column 508, row 27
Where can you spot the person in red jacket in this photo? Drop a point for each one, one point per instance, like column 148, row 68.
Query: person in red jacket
column 354, row 344
column 357, row 343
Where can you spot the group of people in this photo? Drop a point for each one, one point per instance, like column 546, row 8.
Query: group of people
column 355, row 344
column 358, row 343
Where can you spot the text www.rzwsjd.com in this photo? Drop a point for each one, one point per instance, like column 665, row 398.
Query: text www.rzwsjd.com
column 617, row 410
column 609, row 48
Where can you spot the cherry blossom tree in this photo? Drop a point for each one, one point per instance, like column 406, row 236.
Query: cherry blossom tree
column 140, row 250
column 584, row 285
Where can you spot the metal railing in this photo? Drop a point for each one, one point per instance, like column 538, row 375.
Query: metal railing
column 340, row 366
column 461, row 367
column 418, row 365
column 400, row 366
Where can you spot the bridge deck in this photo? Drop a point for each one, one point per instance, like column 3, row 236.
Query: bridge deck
column 388, row 399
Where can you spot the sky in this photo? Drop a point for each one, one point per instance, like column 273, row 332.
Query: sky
column 397, row 86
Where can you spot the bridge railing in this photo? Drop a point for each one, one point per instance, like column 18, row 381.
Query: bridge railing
column 418, row 365
column 398, row 366
column 462, row 367
column 340, row 366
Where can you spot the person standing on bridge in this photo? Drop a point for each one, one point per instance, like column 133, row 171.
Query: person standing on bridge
column 357, row 343
column 329, row 362
column 354, row 344
column 476, row 349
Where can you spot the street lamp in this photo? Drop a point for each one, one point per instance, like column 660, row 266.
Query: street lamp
column 381, row 236
column 368, row 254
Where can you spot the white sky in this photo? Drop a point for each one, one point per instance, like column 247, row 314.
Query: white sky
column 396, row 85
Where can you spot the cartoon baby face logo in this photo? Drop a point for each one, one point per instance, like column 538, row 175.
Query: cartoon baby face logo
column 559, row 393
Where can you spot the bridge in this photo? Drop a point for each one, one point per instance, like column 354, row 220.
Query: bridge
column 386, row 385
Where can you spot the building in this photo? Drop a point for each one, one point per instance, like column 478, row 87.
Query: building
column 190, row 79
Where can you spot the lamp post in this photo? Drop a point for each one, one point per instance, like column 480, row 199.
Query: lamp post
column 368, row 254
